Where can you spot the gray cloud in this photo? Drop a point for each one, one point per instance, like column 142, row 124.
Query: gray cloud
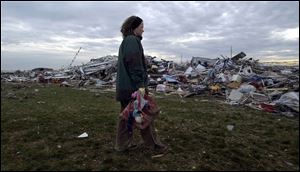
column 37, row 34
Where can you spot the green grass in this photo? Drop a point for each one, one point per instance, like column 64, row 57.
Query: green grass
column 39, row 131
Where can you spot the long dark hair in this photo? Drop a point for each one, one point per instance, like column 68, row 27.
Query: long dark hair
column 126, row 27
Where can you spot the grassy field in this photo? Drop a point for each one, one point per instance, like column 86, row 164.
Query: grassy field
column 40, row 125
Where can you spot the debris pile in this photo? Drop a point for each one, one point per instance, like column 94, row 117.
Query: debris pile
column 236, row 80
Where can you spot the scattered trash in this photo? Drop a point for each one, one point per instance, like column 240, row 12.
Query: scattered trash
column 290, row 99
column 161, row 88
column 235, row 96
column 83, row 135
column 236, row 78
column 157, row 156
column 229, row 127
column 246, row 88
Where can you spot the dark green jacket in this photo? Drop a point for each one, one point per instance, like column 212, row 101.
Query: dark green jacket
column 132, row 71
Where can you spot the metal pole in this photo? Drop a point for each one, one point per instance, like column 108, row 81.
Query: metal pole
column 74, row 57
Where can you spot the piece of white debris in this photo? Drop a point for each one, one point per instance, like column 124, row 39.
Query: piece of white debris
column 230, row 127
column 157, row 156
column 83, row 135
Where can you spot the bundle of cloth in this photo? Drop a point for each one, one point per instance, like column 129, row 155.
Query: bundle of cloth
column 140, row 112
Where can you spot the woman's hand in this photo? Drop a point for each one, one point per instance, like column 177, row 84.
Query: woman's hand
column 142, row 91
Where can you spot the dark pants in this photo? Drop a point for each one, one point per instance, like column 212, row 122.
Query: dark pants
column 124, row 138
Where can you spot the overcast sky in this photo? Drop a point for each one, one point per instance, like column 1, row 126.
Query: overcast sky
column 48, row 34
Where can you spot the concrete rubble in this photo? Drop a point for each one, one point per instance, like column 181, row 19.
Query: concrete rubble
column 238, row 80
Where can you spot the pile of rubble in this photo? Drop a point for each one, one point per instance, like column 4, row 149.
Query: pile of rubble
column 100, row 71
column 236, row 80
